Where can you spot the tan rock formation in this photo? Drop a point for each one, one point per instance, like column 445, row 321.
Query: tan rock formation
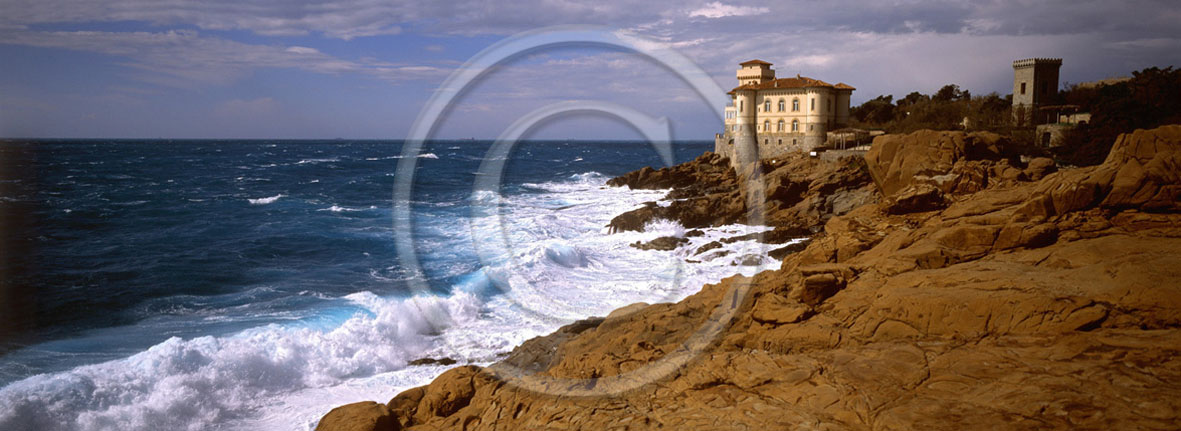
column 1049, row 304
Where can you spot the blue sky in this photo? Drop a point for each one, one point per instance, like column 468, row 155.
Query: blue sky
column 364, row 68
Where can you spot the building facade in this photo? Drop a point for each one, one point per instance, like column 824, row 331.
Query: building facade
column 768, row 117
column 1035, row 84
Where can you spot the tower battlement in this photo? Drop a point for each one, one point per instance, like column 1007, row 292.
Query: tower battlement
column 1031, row 62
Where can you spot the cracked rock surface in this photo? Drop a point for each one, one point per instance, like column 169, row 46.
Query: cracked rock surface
column 1027, row 298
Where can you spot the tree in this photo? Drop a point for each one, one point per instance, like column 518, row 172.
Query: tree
column 948, row 93
column 876, row 111
column 913, row 98
column 1150, row 99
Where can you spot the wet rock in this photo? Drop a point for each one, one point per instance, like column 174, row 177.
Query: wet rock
column 782, row 252
column 707, row 247
column 432, row 361
column 663, row 243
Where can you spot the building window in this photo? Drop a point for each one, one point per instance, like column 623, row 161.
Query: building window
column 767, row 124
column 765, row 142
column 767, row 106
column 795, row 125
column 741, row 106
column 813, row 105
column 811, row 127
column 780, row 142
column 1022, row 88
column 782, row 105
column 780, row 128
column 795, row 105
column 793, row 141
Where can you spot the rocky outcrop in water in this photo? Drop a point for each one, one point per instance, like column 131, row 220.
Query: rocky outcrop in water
column 800, row 193
column 1023, row 298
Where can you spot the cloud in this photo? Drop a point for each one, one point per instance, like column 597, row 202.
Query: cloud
column 302, row 50
column 183, row 57
column 343, row 19
column 879, row 47
column 720, row 10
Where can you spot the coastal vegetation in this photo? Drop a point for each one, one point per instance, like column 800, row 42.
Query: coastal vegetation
column 1149, row 99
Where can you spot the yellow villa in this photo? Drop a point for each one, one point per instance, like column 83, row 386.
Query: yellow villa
column 779, row 115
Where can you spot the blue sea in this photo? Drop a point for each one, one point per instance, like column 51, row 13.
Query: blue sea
column 256, row 284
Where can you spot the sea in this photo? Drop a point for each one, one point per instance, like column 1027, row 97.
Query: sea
column 256, row 284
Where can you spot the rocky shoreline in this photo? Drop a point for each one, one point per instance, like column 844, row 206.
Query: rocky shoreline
column 948, row 284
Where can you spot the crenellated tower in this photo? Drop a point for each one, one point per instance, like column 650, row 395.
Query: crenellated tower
column 1035, row 84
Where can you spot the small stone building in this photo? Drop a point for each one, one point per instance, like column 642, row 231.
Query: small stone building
column 1035, row 84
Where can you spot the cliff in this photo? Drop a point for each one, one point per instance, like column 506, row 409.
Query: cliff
column 968, row 290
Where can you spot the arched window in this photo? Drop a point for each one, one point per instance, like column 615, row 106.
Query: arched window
column 795, row 125
column 795, row 105
column 782, row 105
column 767, row 124
column 767, row 106
column 780, row 129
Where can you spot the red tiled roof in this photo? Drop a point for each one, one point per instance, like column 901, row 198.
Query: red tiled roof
column 755, row 61
column 797, row 82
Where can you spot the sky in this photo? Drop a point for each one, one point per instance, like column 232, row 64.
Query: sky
column 366, row 68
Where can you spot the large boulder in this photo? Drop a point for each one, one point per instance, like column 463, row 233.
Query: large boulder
column 362, row 416
column 927, row 156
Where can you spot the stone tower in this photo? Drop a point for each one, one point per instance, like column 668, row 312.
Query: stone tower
column 1035, row 84
column 755, row 72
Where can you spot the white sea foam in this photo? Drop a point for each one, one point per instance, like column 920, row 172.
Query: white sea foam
column 199, row 383
column 264, row 201
column 324, row 160
column 421, row 156
column 338, row 208
column 559, row 264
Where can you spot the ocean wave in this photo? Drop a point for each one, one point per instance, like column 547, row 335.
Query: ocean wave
column 325, row 160
column 421, row 156
column 196, row 383
column 265, row 201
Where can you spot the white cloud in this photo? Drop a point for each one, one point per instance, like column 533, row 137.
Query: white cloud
column 184, row 57
column 720, row 10
column 302, row 50
column 344, row 19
